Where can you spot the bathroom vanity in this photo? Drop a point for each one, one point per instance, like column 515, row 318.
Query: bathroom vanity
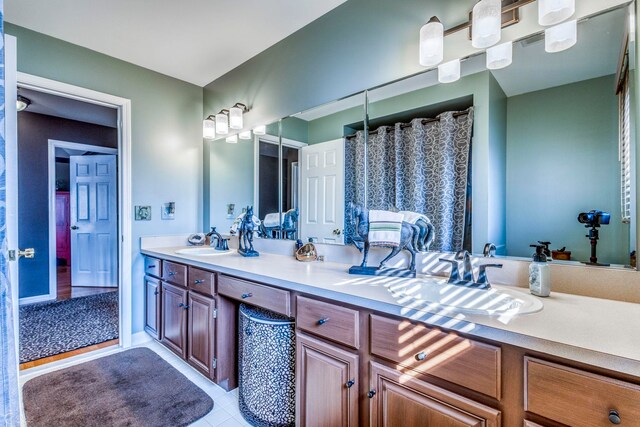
column 366, row 357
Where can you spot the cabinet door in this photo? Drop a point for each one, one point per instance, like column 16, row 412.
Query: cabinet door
column 327, row 384
column 201, row 327
column 152, row 309
column 174, row 319
column 403, row 401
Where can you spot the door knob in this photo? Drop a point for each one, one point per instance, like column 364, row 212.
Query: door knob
column 74, row 227
column 14, row 255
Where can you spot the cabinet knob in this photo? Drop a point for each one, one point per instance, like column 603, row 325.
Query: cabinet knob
column 156, row 292
column 172, row 273
column 614, row 417
column 245, row 296
column 323, row 321
column 151, row 266
column 183, row 306
column 350, row 383
column 421, row 356
column 198, row 282
column 371, row 394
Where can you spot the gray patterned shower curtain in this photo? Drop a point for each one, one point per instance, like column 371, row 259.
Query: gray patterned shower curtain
column 422, row 166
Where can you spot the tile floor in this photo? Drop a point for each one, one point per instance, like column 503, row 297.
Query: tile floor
column 225, row 411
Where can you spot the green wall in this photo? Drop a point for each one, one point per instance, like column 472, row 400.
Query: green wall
column 166, row 130
column 562, row 159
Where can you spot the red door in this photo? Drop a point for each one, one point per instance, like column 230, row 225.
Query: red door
column 63, row 232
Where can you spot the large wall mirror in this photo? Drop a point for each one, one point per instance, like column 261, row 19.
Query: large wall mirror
column 509, row 157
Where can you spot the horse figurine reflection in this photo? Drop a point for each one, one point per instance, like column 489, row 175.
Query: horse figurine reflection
column 245, row 234
column 359, row 218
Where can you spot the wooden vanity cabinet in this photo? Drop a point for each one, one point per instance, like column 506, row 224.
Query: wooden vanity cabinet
column 327, row 384
column 152, row 308
column 400, row 400
column 174, row 319
column 201, row 333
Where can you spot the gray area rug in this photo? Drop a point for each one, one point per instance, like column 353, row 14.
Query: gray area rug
column 51, row 328
column 135, row 388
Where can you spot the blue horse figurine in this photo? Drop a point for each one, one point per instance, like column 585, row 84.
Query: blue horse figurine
column 408, row 240
column 245, row 235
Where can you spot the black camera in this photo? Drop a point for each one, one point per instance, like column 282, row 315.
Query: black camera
column 594, row 218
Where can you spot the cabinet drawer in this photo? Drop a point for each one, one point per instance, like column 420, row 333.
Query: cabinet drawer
column 578, row 398
column 459, row 360
column 202, row 281
column 328, row 321
column 259, row 295
column 174, row 273
column 152, row 267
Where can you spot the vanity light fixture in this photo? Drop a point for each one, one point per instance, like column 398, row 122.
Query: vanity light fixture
column 486, row 27
column 233, row 139
column 222, row 122
column 449, row 72
column 500, row 56
column 552, row 12
column 209, row 128
column 245, row 135
column 235, row 115
column 561, row 37
column 260, row 130
column 431, row 43
column 22, row 103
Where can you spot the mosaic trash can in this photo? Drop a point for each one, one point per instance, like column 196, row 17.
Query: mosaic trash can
column 266, row 377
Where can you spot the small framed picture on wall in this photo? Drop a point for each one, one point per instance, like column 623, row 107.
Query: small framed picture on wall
column 142, row 213
column 168, row 210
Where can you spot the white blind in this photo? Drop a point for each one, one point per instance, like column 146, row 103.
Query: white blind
column 625, row 149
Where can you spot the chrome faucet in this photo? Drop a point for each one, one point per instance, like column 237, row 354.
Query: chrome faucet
column 467, row 272
column 489, row 250
column 221, row 243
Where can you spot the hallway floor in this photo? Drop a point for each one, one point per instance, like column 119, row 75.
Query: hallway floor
column 66, row 291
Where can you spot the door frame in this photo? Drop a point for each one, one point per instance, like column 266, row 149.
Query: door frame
column 53, row 144
column 123, row 106
column 270, row 139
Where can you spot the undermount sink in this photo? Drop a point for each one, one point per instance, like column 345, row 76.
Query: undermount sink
column 432, row 294
column 203, row 251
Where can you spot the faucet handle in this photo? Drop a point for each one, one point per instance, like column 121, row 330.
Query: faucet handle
column 467, row 268
column 482, row 274
column 454, row 276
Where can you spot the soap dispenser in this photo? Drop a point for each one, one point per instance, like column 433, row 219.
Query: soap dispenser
column 539, row 273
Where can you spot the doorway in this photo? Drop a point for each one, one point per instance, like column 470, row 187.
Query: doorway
column 81, row 225
column 69, row 290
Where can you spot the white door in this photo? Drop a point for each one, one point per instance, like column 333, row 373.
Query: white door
column 94, row 221
column 322, row 178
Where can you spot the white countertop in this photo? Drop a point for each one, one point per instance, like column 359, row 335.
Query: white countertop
column 594, row 331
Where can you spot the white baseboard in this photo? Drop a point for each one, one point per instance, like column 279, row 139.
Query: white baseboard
column 37, row 298
column 140, row 338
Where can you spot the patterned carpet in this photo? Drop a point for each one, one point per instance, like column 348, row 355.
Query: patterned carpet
column 51, row 328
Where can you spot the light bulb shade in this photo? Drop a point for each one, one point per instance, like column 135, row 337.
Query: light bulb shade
column 431, row 43
column 245, row 135
column 561, row 37
column 486, row 26
column 235, row 118
column 500, row 56
column 449, row 72
column 208, row 129
column 233, row 139
column 552, row 12
column 260, row 130
column 222, row 124
column 22, row 103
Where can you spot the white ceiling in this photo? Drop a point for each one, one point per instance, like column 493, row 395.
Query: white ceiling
column 193, row 40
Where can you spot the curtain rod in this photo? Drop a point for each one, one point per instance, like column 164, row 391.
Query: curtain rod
column 406, row 125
